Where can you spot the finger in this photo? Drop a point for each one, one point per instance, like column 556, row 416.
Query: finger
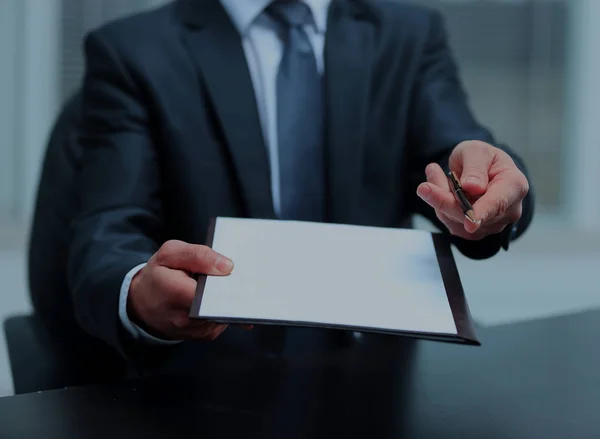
column 456, row 228
column 193, row 258
column 499, row 198
column 450, row 223
column 472, row 161
column 179, row 288
column 470, row 226
column 459, row 231
column 512, row 215
column 435, row 175
column 441, row 200
column 247, row 327
column 466, row 225
column 182, row 326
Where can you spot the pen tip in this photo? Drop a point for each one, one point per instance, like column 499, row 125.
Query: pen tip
column 471, row 216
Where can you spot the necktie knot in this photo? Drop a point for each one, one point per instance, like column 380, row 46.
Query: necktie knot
column 290, row 13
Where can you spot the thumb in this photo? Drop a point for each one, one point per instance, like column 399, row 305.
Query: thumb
column 474, row 160
column 193, row 258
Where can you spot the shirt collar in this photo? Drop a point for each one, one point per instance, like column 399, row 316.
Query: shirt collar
column 319, row 9
column 244, row 12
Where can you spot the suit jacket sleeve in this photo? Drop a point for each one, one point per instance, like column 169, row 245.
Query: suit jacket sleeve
column 441, row 119
column 120, row 218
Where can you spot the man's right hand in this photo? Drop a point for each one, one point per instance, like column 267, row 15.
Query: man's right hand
column 161, row 294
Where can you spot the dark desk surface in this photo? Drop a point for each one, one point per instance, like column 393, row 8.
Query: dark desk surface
column 538, row 380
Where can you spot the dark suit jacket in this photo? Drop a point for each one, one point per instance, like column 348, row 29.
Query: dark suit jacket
column 171, row 134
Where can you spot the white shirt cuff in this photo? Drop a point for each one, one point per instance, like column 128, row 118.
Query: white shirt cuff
column 134, row 330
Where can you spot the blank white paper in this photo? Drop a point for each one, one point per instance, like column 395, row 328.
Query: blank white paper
column 328, row 274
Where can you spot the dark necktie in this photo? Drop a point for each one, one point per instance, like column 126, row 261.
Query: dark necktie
column 300, row 128
column 300, row 117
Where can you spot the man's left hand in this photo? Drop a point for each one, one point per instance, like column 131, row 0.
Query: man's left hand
column 492, row 182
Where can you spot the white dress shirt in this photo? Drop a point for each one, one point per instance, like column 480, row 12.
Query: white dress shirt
column 263, row 49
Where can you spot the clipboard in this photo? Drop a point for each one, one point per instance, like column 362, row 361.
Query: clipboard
column 225, row 299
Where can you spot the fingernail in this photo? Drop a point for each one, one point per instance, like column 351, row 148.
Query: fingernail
column 473, row 180
column 475, row 226
column 224, row 265
column 471, row 227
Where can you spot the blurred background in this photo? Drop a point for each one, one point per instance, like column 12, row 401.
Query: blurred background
column 530, row 69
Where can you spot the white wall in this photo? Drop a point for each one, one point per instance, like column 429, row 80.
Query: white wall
column 39, row 93
column 29, row 79
column 9, row 14
column 582, row 141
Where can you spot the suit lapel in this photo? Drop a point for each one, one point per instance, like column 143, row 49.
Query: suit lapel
column 348, row 60
column 216, row 48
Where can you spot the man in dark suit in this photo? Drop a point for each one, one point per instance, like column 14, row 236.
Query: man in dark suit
column 345, row 111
